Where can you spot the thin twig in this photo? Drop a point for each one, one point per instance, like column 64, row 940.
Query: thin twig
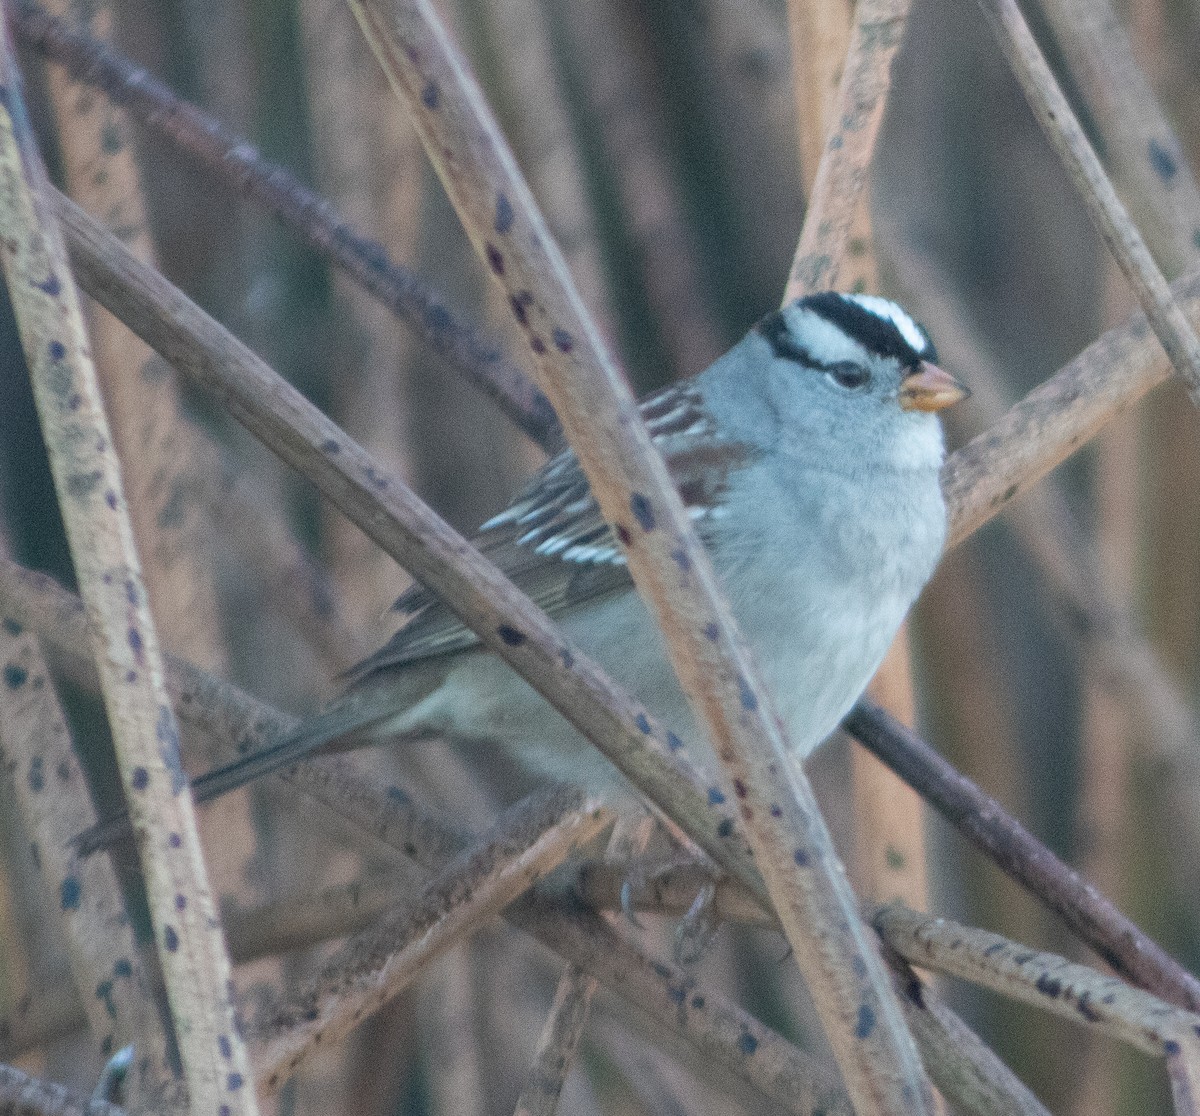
column 1104, row 207
column 983, row 822
column 1045, row 980
column 1144, row 155
column 237, row 163
column 51, row 789
column 823, row 250
column 376, row 965
column 87, row 476
column 558, row 1044
column 673, row 572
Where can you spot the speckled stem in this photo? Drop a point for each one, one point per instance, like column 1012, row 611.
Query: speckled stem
column 51, row 790
column 984, row 823
column 838, row 958
column 528, row 842
column 87, row 477
column 236, row 162
column 823, row 255
column 1109, row 216
column 1085, row 996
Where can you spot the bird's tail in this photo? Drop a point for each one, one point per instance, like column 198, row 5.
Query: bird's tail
column 350, row 717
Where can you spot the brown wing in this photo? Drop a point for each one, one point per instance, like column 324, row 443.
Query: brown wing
column 554, row 544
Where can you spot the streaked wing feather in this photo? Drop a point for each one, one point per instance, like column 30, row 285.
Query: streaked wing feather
column 553, row 543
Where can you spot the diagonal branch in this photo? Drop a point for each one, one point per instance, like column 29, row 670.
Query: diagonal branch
column 237, row 163
column 1058, row 121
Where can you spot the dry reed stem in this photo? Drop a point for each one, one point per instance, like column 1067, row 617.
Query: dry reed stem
column 970, row 1074
column 23, row 1095
column 889, row 836
column 526, row 844
column 823, row 250
column 558, row 1044
column 1045, row 980
column 110, row 973
column 87, row 477
column 623, row 103
column 236, row 163
column 521, row 45
column 1056, row 418
column 983, row 822
column 793, row 851
column 153, row 441
column 819, row 31
column 1104, row 207
column 1144, row 154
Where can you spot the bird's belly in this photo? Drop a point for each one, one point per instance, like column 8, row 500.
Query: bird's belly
column 815, row 663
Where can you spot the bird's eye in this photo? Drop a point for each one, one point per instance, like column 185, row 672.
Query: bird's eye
column 848, row 375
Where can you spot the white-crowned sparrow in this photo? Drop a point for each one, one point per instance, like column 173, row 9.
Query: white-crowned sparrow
column 808, row 458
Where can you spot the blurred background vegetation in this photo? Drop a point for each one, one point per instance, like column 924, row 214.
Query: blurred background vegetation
column 663, row 141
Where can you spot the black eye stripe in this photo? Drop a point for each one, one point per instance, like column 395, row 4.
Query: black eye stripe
column 774, row 329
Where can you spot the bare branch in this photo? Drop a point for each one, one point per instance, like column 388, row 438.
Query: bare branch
column 237, row 163
column 87, row 477
column 1108, row 214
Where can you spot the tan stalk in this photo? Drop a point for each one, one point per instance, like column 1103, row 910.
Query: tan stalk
column 1072, row 991
column 111, row 976
column 377, row 964
column 889, row 836
column 824, row 256
column 87, row 476
column 140, row 394
column 1104, row 207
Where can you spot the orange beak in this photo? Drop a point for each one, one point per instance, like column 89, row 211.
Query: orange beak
column 928, row 388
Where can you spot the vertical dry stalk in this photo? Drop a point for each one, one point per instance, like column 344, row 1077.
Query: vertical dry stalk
column 558, row 1044
column 87, row 477
column 51, row 790
column 140, row 393
column 854, row 997
column 1104, row 207
column 825, row 242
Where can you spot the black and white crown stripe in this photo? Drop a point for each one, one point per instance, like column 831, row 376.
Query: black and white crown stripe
column 879, row 325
